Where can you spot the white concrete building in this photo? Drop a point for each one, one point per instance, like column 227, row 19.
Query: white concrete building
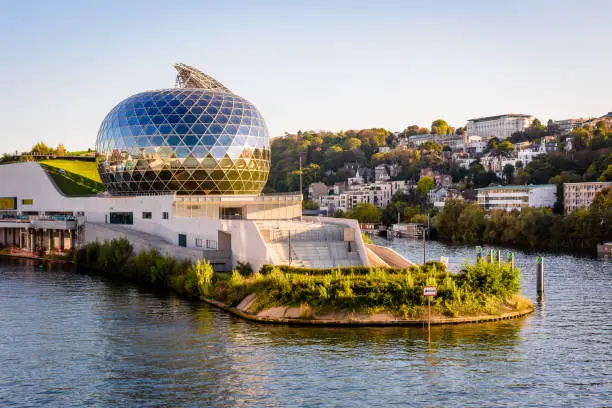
column 517, row 197
column 581, row 195
column 500, row 126
column 33, row 209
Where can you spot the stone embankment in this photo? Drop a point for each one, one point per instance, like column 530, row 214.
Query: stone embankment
column 295, row 316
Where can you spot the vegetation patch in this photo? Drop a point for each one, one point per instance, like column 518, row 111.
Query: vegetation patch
column 484, row 288
column 480, row 289
column 74, row 177
column 116, row 259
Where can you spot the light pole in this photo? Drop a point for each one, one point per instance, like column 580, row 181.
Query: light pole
column 301, row 188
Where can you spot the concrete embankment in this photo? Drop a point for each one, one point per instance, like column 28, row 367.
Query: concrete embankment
column 291, row 316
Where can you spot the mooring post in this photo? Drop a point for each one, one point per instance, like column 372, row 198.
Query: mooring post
column 510, row 257
column 478, row 253
column 540, row 275
column 489, row 255
column 497, row 256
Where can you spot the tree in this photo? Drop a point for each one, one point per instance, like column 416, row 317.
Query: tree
column 414, row 130
column 364, row 213
column 41, row 149
column 508, row 173
column 390, row 213
column 439, row 127
column 580, row 138
column 536, row 130
column 61, row 150
column 310, row 205
column 351, row 143
column 606, row 175
column 338, row 214
column 501, row 149
column 425, row 184
column 446, row 220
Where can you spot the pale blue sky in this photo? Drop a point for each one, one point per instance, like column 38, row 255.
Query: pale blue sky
column 305, row 64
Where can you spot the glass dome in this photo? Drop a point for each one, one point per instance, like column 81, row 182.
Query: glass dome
column 185, row 140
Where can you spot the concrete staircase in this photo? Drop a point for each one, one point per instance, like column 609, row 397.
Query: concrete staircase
column 314, row 245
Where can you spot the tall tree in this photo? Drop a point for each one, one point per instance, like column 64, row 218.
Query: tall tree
column 439, row 126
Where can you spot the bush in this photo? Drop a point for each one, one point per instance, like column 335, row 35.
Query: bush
column 475, row 290
column 116, row 258
column 244, row 268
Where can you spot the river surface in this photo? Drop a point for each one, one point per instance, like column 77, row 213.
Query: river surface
column 70, row 340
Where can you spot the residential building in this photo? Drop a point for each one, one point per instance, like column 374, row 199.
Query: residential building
column 577, row 195
column 566, row 125
column 317, row 190
column 417, row 140
column 381, row 173
column 475, row 145
column 517, row 197
column 453, row 141
column 500, row 126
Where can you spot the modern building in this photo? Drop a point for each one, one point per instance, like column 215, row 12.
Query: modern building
column 510, row 198
column 184, row 169
column 500, row 126
column 199, row 138
column 579, row 195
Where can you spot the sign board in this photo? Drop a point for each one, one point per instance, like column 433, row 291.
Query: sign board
column 8, row 203
column 430, row 291
column 349, row 234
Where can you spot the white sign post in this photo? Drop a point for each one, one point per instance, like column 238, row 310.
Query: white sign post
column 429, row 292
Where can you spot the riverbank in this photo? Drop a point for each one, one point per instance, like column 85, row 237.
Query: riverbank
column 292, row 316
column 12, row 253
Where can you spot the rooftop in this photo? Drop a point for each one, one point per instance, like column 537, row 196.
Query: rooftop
column 515, row 187
column 512, row 115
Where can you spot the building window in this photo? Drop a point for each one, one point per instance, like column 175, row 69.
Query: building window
column 165, row 215
column 147, row 215
column 27, row 201
column 121, row 218
column 198, row 242
column 211, row 244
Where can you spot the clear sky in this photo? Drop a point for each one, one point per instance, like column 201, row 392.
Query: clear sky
column 305, row 64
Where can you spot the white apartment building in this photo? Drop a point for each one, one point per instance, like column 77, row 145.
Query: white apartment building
column 517, row 197
column 500, row 126
column 577, row 195
column 378, row 194
column 417, row 140
column 475, row 144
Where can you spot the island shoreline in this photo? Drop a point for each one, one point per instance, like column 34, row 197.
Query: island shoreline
column 365, row 323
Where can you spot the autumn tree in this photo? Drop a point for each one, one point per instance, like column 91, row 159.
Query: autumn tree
column 425, row 184
column 439, row 127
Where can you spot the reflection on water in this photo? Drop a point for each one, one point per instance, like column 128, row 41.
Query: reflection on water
column 74, row 340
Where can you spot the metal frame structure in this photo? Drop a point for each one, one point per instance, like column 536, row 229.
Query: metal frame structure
column 190, row 77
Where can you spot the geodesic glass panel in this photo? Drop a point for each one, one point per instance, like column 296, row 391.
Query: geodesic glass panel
column 184, row 140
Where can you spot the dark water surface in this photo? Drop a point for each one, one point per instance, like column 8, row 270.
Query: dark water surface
column 74, row 340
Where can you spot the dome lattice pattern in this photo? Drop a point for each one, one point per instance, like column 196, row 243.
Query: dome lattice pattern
column 185, row 140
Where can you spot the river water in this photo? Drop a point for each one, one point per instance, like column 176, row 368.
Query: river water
column 74, row 340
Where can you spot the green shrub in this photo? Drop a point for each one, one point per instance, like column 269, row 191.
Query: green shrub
column 244, row 268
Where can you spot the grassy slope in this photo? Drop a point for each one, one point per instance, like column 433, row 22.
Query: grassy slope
column 80, row 178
